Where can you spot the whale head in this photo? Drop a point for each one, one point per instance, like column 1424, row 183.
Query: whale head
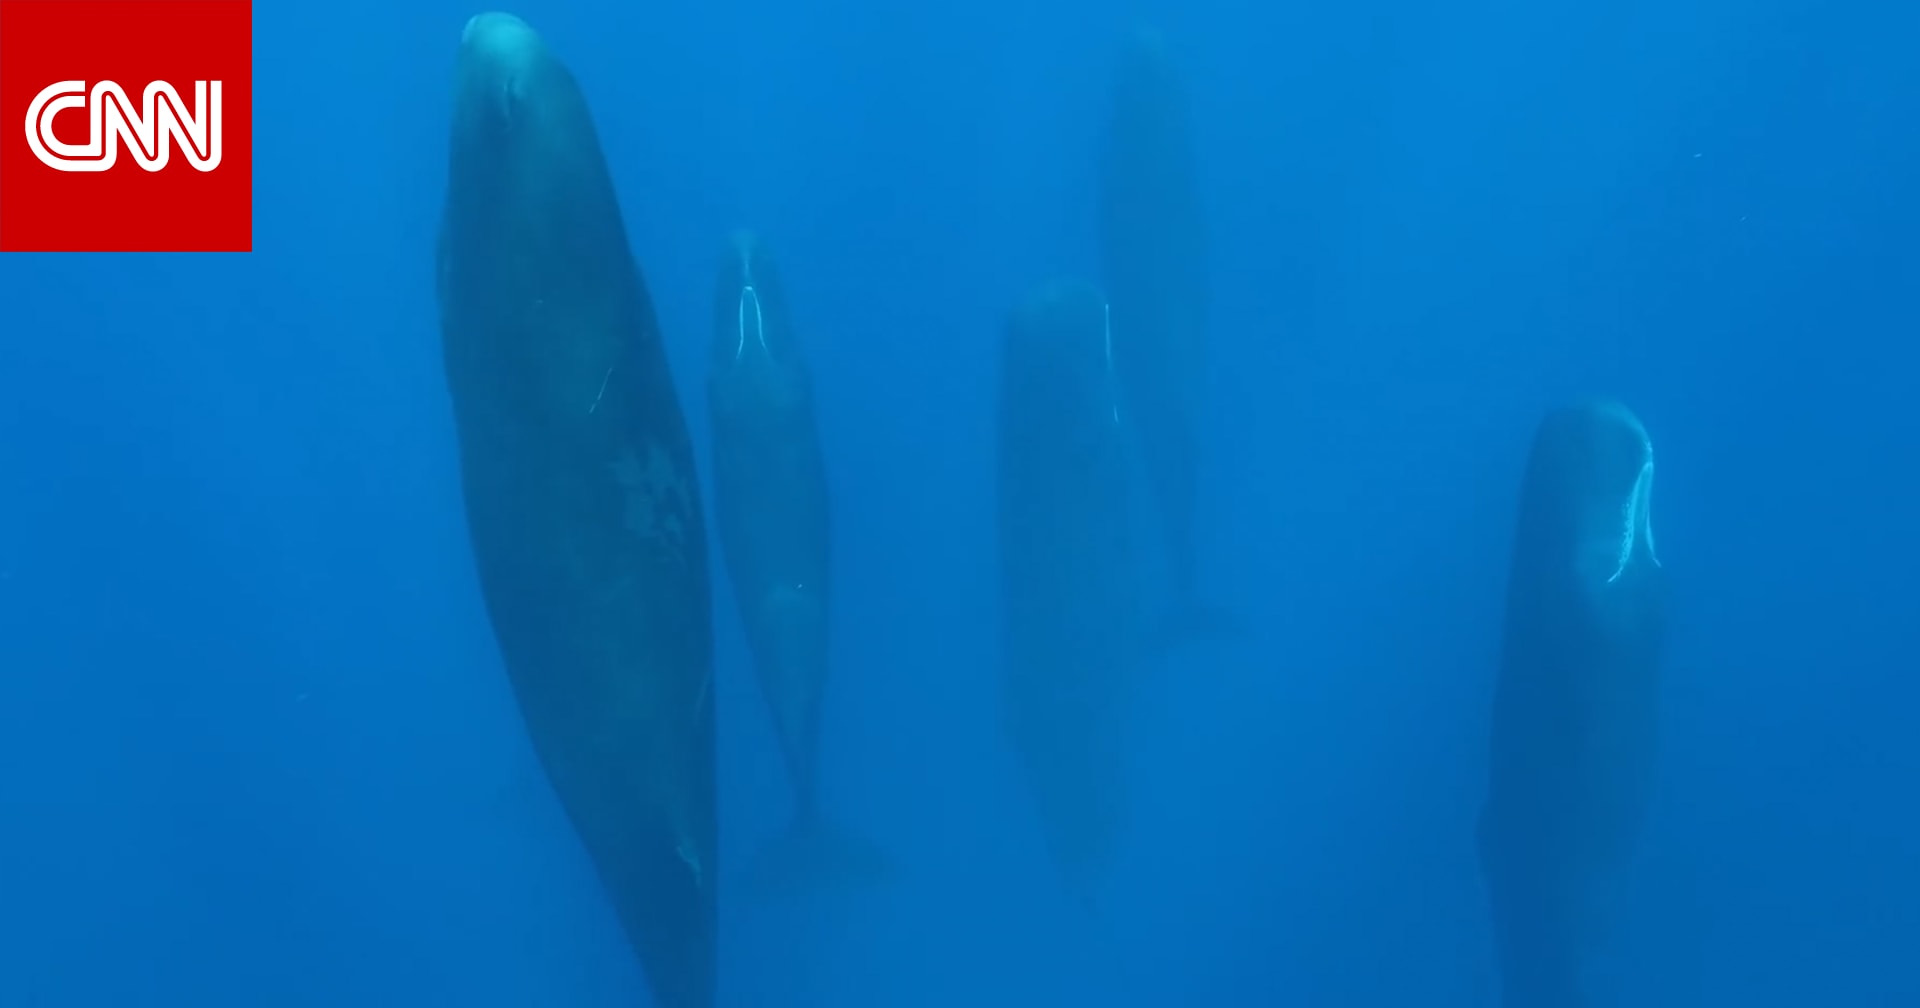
column 500, row 56
column 749, row 313
column 522, row 134
column 530, row 208
column 1612, row 487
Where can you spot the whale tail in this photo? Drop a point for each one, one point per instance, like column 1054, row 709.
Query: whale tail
column 814, row 854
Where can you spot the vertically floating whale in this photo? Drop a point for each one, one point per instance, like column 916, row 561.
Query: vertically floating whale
column 1574, row 740
column 772, row 508
column 1068, row 584
column 1153, row 245
column 580, row 493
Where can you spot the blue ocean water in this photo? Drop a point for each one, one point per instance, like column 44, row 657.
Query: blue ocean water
column 257, row 746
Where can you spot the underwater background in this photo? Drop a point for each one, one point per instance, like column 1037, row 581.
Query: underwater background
column 257, row 747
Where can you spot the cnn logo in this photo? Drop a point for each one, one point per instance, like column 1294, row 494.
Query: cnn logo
column 126, row 126
column 149, row 132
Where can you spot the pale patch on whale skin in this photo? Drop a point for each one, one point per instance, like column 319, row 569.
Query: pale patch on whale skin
column 655, row 498
column 750, row 299
column 1636, row 516
column 1636, row 511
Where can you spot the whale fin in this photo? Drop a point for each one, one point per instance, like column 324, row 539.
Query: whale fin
column 813, row 854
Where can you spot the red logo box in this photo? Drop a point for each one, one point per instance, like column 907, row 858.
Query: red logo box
column 126, row 126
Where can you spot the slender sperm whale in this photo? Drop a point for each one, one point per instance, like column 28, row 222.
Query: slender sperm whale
column 1153, row 245
column 1574, row 740
column 581, row 499
column 773, row 512
column 1071, row 617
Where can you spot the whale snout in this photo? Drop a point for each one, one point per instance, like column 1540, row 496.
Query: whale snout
column 495, row 37
column 1620, row 449
column 498, row 52
column 748, row 330
column 745, row 244
column 745, row 261
column 1613, row 456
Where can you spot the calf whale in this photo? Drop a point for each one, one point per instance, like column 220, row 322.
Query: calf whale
column 773, row 512
column 1574, row 738
column 581, row 499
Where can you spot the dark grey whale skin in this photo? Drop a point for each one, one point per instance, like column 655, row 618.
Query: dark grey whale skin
column 1154, row 270
column 581, row 496
column 1071, row 595
column 1575, row 740
column 771, row 501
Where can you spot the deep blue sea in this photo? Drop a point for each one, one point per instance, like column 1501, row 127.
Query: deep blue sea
column 258, row 749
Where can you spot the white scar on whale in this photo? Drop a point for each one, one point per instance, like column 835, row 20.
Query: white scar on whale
column 602, row 394
column 759, row 321
column 1636, row 515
